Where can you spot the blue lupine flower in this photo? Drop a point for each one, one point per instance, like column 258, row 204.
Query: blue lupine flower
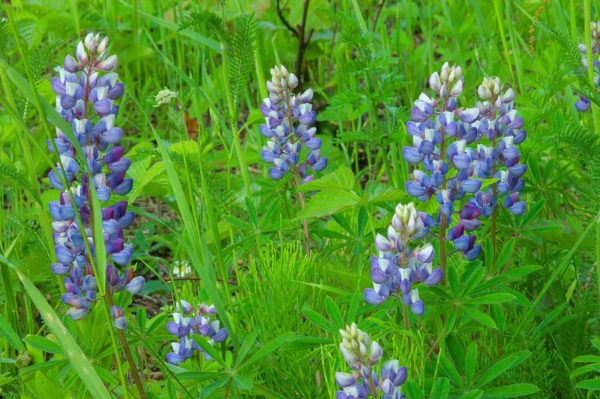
column 288, row 125
column 362, row 355
column 503, row 127
column 441, row 135
column 399, row 268
column 188, row 322
column 86, row 90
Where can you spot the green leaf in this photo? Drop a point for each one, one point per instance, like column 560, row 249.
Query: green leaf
column 590, row 385
column 43, row 344
column 481, row 317
column 501, row 366
column 505, row 254
column 492, row 299
column 247, row 344
column 10, row 335
column 334, row 313
column 475, row 394
column 318, row 319
column 211, row 350
column 512, row 391
column 80, row 363
column 413, row 390
column 471, row 363
column 441, row 388
column 269, row 347
column 341, row 179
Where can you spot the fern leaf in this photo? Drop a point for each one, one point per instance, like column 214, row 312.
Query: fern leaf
column 9, row 172
column 241, row 57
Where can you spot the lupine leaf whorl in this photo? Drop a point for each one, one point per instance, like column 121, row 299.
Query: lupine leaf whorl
column 86, row 90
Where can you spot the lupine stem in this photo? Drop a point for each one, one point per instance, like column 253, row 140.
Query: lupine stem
column 444, row 221
column 108, row 300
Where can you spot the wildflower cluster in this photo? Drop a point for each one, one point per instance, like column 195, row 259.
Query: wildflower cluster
column 86, row 90
column 187, row 322
column 452, row 167
column 398, row 267
column 584, row 103
column 288, row 125
column 362, row 355
column 499, row 122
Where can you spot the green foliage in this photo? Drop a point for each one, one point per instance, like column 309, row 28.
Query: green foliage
column 521, row 325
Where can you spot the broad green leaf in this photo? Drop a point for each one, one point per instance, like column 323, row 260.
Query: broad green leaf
column 10, row 335
column 413, row 390
column 501, row 366
column 492, row 299
column 211, row 350
column 342, row 179
column 481, row 317
column 475, row 394
column 471, row 362
column 512, row 391
column 441, row 388
column 318, row 319
column 247, row 344
column 328, row 202
column 43, row 344
column 590, row 385
column 334, row 313
column 80, row 363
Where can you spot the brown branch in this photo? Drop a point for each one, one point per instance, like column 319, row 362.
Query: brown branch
column 300, row 33
column 284, row 21
column 378, row 13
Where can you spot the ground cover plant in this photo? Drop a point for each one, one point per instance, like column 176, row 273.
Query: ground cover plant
column 314, row 199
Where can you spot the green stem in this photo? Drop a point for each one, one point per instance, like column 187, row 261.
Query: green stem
column 590, row 70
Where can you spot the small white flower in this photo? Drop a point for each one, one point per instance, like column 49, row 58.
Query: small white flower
column 164, row 97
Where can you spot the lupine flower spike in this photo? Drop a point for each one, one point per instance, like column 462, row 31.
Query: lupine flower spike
column 401, row 266
column 288, row 126
column 441, row 133
column 86, row 90
column 583, row 104
column 188, row 322
column 362, row 355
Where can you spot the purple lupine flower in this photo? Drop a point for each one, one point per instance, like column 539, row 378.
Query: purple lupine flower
column 503, row 128
column 400, row 266
column 442, row 137
column 86, row 90
column 288, row 126
column 584, row 104
column 362, row 355
column 188, row 322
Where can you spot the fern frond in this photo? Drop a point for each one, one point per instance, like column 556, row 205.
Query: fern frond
column 572, row 59
column 214, row 24
column 241, row 61
column 10, row 173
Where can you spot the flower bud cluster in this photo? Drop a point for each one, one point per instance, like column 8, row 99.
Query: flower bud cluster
column 86, row 90
column 362, row 355
column 187, row 322
column 288, row 126
column 401, row 266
